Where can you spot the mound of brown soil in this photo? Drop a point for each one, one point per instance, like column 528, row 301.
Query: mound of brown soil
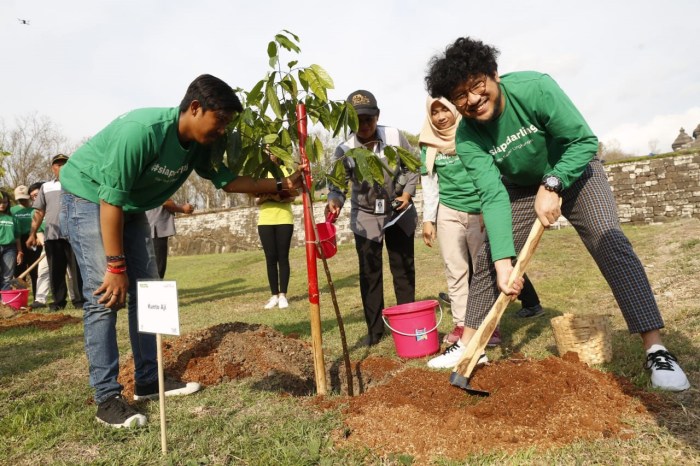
column 416, row 411
column 234, row 351
column 532, row 404
column 42, row 321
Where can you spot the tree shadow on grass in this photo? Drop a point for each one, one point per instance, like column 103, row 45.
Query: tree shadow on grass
column 27, row 356
column 216, row 291
column 302, row 328
column 534, row 327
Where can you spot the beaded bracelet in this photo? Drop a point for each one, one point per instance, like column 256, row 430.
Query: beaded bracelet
column 120, row 257
column 116, row 270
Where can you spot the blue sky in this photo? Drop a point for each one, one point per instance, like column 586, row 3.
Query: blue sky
column 630, row 67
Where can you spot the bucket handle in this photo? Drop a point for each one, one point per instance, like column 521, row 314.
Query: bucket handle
column 414, row 334
column 13, row 299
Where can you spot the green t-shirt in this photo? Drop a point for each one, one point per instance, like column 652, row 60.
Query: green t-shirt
column 456, row 188
column 9, row 230
column 137, row 162
column 540, row 132
column 23, row 215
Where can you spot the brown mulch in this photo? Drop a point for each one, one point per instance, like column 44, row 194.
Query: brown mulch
column 40, row 321
column 533, row 403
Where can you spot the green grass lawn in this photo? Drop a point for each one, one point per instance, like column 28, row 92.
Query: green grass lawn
column 46, row 414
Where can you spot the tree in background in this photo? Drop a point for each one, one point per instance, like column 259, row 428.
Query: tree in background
column 30, row 144
column 612, row 152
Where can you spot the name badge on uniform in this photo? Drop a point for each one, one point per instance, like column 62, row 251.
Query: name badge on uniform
column 379, row 206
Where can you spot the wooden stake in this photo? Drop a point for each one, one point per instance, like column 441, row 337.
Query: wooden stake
column 161, row 393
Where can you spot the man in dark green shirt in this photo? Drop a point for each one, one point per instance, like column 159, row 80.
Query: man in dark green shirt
column 135, row 164
column 528, row 148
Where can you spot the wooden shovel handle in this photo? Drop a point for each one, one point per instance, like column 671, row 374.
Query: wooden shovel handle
column 477, row 344
column 31, row 267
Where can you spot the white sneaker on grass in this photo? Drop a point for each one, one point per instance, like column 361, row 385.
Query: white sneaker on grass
column 282, row 302
column 666, row 374
column 171, row 387
column 451, row 357
column 272, row 302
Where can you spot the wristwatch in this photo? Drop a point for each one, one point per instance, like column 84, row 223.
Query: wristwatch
column 552, row 183
column 279, row 184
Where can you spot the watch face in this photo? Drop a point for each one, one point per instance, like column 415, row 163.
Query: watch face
column 552, row 183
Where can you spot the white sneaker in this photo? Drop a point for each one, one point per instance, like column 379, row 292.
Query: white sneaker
column 451, row 357
column 282, row 302
column 272, row 302
column 666, row 374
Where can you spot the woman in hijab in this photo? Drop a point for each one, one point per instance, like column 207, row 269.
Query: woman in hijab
column 452, row 212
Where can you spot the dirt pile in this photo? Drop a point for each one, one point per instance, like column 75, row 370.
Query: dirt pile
column 235, row 351
column 412, row 410
column 533, row 403
column 41, row 321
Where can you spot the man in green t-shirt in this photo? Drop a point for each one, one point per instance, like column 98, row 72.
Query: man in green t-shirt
column 528, row 148
column 135, row 164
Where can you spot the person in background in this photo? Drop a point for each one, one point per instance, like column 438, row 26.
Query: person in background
column 532, row 156
column 43, row 277
column 452, row 213
column 372, row 208
column 162, row 223
column 58, row 251
column 275, row 228
column 10, row 248
column 23, row 212
column 135, row 164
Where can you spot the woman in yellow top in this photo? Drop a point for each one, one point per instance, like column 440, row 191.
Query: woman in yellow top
column 275, row 227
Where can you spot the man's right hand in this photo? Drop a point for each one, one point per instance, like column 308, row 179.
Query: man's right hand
column 504, row 268
column 113, row 290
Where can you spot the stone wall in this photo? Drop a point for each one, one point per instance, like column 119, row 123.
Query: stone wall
column 657, row 189
column 647, row 191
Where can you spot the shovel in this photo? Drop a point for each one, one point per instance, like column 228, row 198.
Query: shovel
column 20, row 283
column 463, row 370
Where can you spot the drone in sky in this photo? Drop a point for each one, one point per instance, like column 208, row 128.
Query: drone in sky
column 23, row 21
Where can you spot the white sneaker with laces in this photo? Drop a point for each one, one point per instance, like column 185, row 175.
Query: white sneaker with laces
column 272, row 302
column 451, row 357
column 666, row 374
column 282, row 302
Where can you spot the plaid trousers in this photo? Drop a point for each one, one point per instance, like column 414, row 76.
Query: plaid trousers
column 590, row 207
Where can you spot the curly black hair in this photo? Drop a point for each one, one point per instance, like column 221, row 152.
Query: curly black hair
column 462, row 60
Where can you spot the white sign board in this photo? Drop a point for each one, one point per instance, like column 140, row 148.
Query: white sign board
column 157, row 307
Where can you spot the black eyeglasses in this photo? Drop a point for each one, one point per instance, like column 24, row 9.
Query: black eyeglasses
column 477, row 89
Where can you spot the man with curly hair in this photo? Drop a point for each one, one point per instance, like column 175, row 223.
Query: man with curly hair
column 527, row 148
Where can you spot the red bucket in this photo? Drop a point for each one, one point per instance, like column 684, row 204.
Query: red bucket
column 413, row 328
column 326, row 237
column 16, row 299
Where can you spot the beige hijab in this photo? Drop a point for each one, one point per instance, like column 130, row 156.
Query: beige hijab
column 438, row 140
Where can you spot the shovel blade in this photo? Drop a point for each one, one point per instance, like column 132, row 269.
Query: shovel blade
column 18, row 284
column 460, row 381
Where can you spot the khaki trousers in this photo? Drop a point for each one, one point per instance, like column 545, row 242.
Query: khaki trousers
column 460, row 236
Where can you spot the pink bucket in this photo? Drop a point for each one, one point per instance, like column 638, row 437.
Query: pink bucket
column 326, row 237
column 413, row 328
column 16, row 299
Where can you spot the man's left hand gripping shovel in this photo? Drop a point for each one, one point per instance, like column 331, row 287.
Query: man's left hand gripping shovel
column 463, row 370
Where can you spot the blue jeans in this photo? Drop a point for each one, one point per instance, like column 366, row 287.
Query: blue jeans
column 8, row 259
column 80, row 222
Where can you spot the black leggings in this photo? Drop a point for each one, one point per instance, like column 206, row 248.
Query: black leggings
column 276, row 241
